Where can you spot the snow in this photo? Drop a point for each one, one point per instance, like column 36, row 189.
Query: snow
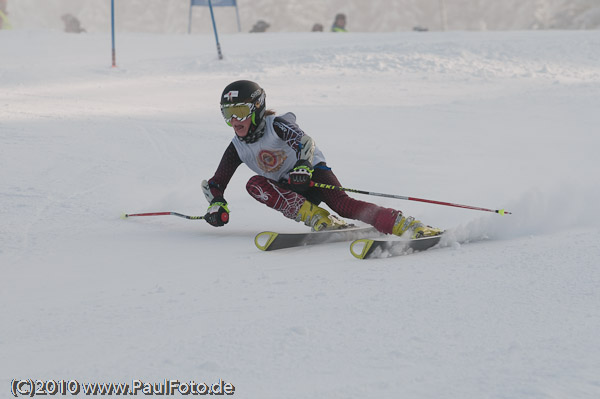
column 508, row 307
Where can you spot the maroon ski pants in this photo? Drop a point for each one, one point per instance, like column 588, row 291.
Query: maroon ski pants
column 281, row 198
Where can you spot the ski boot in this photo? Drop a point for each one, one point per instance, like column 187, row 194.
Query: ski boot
column 414, row 227
column 318, row 219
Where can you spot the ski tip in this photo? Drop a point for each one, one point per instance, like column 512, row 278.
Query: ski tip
column 264, row 240
column 124, row 216
column 360, row 248
column 503, row 212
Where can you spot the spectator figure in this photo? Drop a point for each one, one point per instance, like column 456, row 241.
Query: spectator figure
column 72, row 24
column 339, row 24
column 260, row 26
column 317, row 28
column 4, row 23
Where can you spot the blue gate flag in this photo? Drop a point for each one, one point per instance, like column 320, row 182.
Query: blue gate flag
column 215, row 3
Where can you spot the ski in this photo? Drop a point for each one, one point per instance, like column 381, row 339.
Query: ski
column 366, row 248
column 270, row 240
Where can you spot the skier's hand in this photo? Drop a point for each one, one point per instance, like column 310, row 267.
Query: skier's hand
column 301, row 175
column 217, row 213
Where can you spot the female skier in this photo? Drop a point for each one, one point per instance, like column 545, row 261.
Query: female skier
column 286, row 160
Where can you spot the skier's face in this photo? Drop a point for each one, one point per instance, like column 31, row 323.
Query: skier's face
column 241, row 127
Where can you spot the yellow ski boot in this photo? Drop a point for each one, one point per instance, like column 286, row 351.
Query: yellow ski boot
column 414, row 227
column 318, row 218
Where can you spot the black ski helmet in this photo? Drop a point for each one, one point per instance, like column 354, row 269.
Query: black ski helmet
column 247, row 92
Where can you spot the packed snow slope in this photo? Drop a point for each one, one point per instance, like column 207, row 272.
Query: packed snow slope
column 508, row 307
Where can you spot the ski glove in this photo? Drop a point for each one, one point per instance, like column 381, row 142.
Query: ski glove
column 217, row 213
column 301, row 175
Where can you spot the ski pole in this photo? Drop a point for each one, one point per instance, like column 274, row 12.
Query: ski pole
column 330, row 187
column 126, row 215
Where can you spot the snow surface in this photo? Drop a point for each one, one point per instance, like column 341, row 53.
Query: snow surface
column 509, row 307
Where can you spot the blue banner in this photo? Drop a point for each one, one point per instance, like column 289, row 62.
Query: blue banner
column 215, row 3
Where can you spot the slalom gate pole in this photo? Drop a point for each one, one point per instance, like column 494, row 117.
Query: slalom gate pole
column 351, row 190
column 212, row 16
column 127, row 215
column 112, row 24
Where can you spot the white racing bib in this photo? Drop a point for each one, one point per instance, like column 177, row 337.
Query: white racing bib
column 271, row 156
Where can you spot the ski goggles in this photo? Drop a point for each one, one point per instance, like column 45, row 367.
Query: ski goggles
column 239, row 111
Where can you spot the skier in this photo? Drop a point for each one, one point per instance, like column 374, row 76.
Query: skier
column 286, row 160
